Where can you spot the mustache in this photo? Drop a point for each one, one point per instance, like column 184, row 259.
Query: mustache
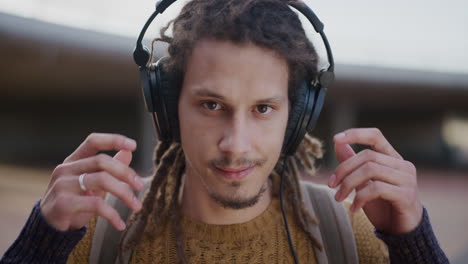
column 240, row 162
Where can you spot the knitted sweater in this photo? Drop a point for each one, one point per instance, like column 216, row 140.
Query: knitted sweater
column 261, row 240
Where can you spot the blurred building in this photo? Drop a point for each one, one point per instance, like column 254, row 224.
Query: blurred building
column 60, row 83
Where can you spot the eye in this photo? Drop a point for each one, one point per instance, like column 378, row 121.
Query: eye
column 212, row 106
column 264, row 109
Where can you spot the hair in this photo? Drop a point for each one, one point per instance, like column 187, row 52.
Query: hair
column 267, row 23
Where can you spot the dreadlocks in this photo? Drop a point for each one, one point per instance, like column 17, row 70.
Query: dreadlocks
column 266, row 23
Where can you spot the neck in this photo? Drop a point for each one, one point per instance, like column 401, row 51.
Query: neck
column 198, row 205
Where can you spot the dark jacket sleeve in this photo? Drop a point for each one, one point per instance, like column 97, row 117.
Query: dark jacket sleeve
column 39, row 242
column 418, row 246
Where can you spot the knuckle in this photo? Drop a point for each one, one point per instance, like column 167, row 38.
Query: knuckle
column 101, row 180
column 369, row 167
column 62, row 202
column 91, row 139
column 67, row 159
column 59, row 184
column 101, row 159
column 97, row 203
column 375, row 187
column 345, row 185
column 118, row 141
column 369, row 154
column 376, row 131
column 411, row 167
column 58, row 170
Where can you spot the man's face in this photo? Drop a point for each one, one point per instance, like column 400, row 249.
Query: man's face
column 233, row 112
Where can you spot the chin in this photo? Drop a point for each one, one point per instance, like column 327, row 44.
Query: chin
column 234, row 199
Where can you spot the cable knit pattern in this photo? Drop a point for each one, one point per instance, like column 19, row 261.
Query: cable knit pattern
column 82, row 251
column 261, row 240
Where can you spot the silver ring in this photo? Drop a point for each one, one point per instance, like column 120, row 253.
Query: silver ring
column 81, row 181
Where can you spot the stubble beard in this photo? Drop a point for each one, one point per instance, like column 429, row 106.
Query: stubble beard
column 234, row 201
column 237, row 203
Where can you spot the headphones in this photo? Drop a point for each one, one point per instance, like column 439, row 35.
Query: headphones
column 162, row 101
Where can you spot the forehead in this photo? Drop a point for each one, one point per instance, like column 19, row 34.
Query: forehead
column 233, row 69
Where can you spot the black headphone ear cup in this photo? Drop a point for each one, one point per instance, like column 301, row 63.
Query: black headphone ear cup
column 299, row 117
column 170, row 97
column 296, row 111
column 146, row 89
column 318, row 105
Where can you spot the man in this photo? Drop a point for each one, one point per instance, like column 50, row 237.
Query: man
column 214, row 197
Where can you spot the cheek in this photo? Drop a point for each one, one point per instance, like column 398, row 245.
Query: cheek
column 193, row 125
column 273, row 131
column 197, row 136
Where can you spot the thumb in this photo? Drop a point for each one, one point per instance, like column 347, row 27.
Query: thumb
column 343, row 152
column 124, row 156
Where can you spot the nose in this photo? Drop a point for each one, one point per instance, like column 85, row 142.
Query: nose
column 236, row 137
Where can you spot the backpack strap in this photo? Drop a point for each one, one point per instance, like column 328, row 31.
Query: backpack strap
column 334, row 229
column 105, row 233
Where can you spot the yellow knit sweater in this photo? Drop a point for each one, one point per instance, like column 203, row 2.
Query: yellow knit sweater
column 261, row 240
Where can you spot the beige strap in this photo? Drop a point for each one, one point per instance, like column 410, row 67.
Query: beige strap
column 335, row 227
column 334, row 231
column 106, row 233
column 320, row 255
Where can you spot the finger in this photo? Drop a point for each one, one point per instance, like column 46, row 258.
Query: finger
column 101, row 162
column 102, row 181
column 375, row 190
column 97, row 193
column 368, row 173
column 343, row 152
column 98, row 184
column 124, row 156
column 368, row 155
column 372, row 137
column 97, row 142
column 97, row 206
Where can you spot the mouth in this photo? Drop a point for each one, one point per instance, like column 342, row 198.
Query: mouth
column 234, row 173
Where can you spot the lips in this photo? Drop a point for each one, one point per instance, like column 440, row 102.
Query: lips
column 234, row 173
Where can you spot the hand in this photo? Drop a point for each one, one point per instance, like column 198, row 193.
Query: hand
column 385, row 183
column 66, row 207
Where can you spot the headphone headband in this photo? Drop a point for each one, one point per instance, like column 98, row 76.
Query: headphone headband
column 161, row 101
column 141, row 55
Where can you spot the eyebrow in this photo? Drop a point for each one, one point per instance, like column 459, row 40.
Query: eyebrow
column 207, row 93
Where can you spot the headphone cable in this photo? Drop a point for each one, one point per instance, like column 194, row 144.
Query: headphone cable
column 291, row 246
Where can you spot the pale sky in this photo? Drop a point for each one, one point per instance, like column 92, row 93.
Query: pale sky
column 426, row 35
